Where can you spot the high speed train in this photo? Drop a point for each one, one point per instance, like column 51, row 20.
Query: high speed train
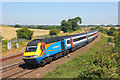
column 42, row 51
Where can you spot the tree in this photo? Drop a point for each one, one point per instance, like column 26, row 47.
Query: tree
column 1, row 38
column 40, row 27
column 66, row 26
column 75, row 22
column 77, row 28
column 58, row 27
column 17, row 26
column 54, row 31
column 78, row 19
column 24, row 33
column 71, row 24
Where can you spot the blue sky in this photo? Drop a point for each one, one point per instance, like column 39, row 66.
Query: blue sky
column 52, row 13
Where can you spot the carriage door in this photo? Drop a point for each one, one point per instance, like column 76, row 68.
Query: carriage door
column 62, row 45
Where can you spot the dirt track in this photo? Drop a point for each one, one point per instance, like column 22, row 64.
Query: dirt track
column 38, row 73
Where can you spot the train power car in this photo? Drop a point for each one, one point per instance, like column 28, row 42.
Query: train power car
column 42, row 51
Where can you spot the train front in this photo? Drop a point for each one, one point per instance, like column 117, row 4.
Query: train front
column 33, row 54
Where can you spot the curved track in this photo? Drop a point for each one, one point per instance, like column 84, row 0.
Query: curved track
column 24, row 71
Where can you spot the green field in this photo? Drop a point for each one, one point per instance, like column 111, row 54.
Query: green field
column 97, row 62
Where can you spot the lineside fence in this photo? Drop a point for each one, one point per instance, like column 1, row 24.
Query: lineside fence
column 9, row 43
column 42, row 37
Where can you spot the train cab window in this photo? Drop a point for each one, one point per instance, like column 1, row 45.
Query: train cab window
column 31, row 48
column 68, row 41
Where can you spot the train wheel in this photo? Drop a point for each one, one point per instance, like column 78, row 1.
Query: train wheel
column 87, row 42
column 42, row 63
column 49, row 60
column 73, row 49
column 55, row 57
column 67, row 51
column 63, row 54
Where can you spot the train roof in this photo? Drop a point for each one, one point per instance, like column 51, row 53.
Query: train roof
column 53, row 39
column 50, row 40
column 92, row 31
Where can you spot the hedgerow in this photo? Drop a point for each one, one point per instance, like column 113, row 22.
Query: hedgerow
column 102, row 64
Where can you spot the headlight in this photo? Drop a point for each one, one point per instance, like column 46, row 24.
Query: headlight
column 24, row 56
column 34, row 56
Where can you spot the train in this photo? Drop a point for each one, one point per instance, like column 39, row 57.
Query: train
column 42, row 51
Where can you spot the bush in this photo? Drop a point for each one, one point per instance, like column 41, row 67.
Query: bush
column 102, row 64
column 17, row 26
column 24, row 33
column 110, row 39
column 1, row 38
column 77, row 28
column 111, row 31
column 4, row 42
column 54, row 31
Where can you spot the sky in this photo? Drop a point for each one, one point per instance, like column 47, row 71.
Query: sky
column 52, row 13
column 119, row 13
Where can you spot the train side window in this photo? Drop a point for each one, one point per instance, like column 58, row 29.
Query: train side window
column 90, row 35
column 68, row 41
column 73, row 40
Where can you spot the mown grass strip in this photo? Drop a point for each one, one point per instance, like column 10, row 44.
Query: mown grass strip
column 72, row 68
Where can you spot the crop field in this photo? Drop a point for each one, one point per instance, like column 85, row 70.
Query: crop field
column 67, row 33
column 10, row 32
column 108, row 27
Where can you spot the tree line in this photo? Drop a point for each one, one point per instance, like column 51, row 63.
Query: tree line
column 66, row 26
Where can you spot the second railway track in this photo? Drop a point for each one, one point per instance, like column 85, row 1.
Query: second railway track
column 18, row 71
column 9, row 67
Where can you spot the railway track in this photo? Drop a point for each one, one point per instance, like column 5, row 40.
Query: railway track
column 18, row 71
column 10, row 67
column 10, row 57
